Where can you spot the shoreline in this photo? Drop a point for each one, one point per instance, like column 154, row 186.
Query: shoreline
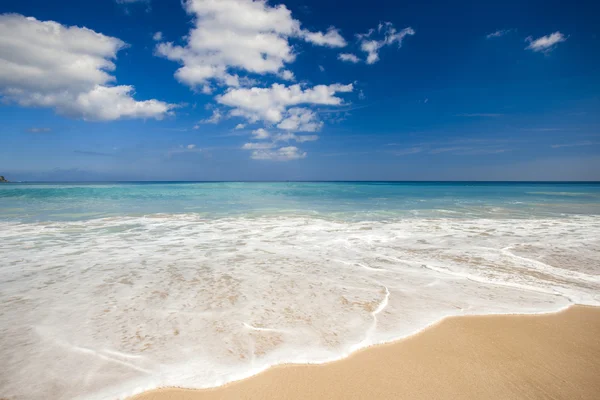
column 304, row 378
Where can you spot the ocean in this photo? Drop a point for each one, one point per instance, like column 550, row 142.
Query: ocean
column 110, row 289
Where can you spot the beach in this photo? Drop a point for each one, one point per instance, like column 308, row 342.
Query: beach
column 551, row 356
column 111, row 290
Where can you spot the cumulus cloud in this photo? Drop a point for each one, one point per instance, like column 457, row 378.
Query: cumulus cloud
column 546, row 43
column 287, row 75
column 299, row 119
column 268, row 145
column 270, row 104
column 330, row 39
column 348, row 57
column 158, row 36
column 260, row 134
column 238, row 35
column 240, row 126
column 46, row 64
column 387, row 34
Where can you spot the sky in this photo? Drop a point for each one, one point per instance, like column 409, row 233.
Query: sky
column 200, row 90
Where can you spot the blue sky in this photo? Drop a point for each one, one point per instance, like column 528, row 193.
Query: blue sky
column 299, row 90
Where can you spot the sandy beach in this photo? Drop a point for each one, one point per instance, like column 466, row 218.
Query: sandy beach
column 551, row 356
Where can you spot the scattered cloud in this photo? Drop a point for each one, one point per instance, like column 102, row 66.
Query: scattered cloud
column 300, row 119
column 576, row 144
column 321, row 68
column 258, row 146
column 184, row 149
column 286, row 137
column 482, row 115
column 348, row 57
column 545, row 44
column 457, row 147
column 260, row 134
column 93, row 153
column 215, row 118
column 498, row 33
column 282, row 154
column 330, row 39
column 46, row 64
column 158, row 36
column 268, row 146
column 238, row 35
column 543, row 129
column 240, row 126
column 126, row 3
column 39, row 130
column 287, row 75
column 388, row 35
column 271, row 104
column 408, row 151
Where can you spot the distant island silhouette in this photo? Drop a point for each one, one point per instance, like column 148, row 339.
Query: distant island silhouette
column 2, row 180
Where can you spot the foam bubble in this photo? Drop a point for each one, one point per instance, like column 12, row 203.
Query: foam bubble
column 105, row 308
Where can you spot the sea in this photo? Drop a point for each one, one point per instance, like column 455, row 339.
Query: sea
column 111, row 289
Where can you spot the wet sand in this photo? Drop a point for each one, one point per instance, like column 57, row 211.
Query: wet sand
column 552, row 356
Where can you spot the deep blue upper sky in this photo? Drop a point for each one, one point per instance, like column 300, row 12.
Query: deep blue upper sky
column 454, row 102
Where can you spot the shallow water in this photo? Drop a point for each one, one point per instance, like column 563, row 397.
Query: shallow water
column 110, row 289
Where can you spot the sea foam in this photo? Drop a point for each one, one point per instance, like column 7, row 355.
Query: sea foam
column 105, row 308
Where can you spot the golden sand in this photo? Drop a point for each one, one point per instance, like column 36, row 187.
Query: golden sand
column 553, row 356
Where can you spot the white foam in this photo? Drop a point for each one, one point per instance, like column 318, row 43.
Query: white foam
column 106, row 308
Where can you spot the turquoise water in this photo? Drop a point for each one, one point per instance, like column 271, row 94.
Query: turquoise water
column 110, row 289
column 347, row 200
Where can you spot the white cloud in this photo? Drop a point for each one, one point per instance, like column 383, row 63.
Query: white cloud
column 286, row 137
column 257, row 146
column 576, row 144
column 282, row 154
column 39, row 130
column 498, row 33
column 181, row 149
column 240, row 126
column 348, row 57
column 266, row 148
column 390, row 36
column 215, row 118
column 299, row 119
column 546, row 43
column 330, row 39
column 46, row 64
column 287, row 75
column 241, row 35
column 270, row 104
column 260, row 134
column 321, row 68
column 158, row 36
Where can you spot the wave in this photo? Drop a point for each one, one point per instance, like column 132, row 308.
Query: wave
column 181, row 300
